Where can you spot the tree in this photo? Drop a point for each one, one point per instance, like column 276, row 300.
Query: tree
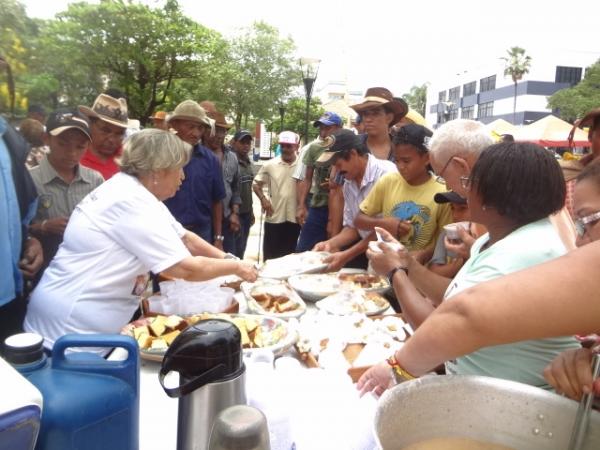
column 16, row 32
column 574, row 102
column 417, row 98
column 142, row 51
column 259, row 72
column 294, row 115
column 516, row 65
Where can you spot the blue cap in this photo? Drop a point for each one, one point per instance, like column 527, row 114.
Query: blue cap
column 327, row 119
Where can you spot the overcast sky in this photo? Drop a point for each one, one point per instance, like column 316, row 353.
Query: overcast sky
column 399, row 44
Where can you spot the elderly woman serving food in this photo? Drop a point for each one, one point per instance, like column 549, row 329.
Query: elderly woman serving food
column 118, row 233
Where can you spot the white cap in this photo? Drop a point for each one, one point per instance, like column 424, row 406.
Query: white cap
column 288, row 137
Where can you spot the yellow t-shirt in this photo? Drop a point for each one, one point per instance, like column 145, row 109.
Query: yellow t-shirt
column 392, row 196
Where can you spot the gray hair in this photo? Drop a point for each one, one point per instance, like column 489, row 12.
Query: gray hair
column 152, row 150
column 460, row 137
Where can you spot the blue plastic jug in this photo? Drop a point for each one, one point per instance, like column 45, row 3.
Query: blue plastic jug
column 89, row 402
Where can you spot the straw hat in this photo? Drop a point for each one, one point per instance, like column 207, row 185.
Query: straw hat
column 190, row 110
column 159, row 115
column 108, row 109
column 589, row 120
column 379, row 96
column 219, row 119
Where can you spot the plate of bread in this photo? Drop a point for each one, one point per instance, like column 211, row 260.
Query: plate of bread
column 316, row 286
column 273, row 298
column 155, row 334
column 294, row 264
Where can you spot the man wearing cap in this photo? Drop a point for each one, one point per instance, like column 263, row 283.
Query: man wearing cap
column 197, row 205
column 158, row 120
column 60, row 179
column 281, row 229
column 360, row 170
column 108, row 123
column 314, row 222
column 241, row 144
column 231, row 178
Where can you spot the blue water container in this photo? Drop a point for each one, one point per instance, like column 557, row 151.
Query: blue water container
column 89, row 402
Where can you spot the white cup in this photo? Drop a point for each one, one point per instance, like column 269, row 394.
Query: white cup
column 452, row 230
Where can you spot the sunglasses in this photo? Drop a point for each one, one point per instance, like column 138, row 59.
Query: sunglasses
column 580, row 224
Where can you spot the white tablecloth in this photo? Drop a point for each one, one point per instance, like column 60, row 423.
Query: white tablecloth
column 322, row 409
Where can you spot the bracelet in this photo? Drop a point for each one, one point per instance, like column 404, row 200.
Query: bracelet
column 391, row 273
column 219, row 237
column 400, row 373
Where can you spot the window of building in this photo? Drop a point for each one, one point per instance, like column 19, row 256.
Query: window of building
column 469, row 88
column 486, row 109
column 454, row 94
column 468, row 112
column 442, row 96
column 453, row 114
column 487, row 84
column 571, row 75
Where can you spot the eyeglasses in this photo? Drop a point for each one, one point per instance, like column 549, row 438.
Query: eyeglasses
column 440, row 178
column 465, row 182
column 580, row 224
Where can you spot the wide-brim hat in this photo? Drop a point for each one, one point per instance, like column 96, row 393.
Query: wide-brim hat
column 190, row 110
column 159, row 115
column 108, row 109
column 219, row 119
column 586, row 121
column 379, row 96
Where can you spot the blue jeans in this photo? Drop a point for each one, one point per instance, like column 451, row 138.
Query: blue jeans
column 314, row 229
column 235, row 243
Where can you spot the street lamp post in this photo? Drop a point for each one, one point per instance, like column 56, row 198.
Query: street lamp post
column 281, row 114
column 310, row 68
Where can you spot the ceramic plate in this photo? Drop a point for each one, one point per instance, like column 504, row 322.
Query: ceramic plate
column 352, row 301
column 274, row 298
column 314, row 287
column 294, row 264
column 277, row 335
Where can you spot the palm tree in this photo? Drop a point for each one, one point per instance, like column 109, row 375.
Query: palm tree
column 516, row 65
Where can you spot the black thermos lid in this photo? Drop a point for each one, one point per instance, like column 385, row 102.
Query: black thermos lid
column 202, row 347
column 23, row 348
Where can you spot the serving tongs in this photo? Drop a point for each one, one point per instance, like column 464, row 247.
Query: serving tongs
column 583, row 412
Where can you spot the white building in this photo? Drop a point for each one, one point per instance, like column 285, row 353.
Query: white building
column 485, row 94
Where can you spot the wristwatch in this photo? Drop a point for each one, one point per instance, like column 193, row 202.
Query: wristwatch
column 391, row 273
column 219, row 237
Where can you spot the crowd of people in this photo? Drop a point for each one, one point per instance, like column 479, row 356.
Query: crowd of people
column 92, row 210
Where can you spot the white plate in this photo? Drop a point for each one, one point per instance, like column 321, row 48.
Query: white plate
column 352, row 301
column 273, row 287
column 294, row 264
column 314, row 287
column 268, row 324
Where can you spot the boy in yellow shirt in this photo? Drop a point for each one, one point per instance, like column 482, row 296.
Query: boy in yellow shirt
column 402, row 202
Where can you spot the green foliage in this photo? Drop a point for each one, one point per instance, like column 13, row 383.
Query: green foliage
column 417, row 98
column 294, row 117
column 140, row 50
column 260, row 70
column 516, row 63
column 573, row 103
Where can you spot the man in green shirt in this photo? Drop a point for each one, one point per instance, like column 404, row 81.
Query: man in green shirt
column 314, row 221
